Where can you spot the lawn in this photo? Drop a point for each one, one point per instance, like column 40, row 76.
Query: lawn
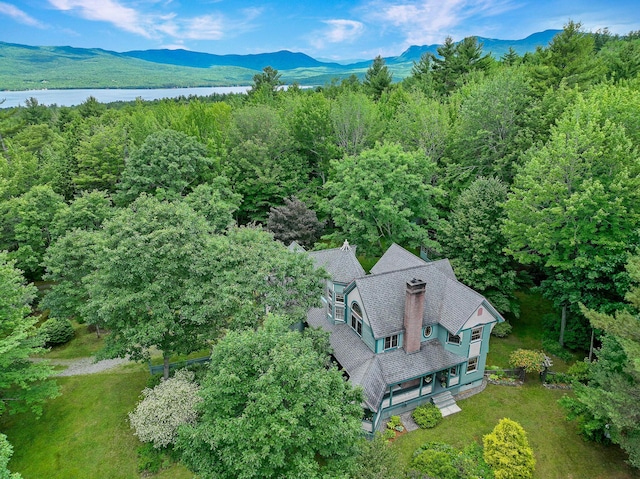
column 84, row 344
column 560, row 452
column 527, row 332
column 84, row 432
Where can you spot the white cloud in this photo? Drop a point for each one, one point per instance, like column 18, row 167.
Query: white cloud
column 207, row 27
column 155, row 25
column 109, row 11
column 430, row 21
column 338, row 31
column 18, row 15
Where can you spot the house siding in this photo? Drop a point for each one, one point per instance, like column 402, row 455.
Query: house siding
column 367, row 334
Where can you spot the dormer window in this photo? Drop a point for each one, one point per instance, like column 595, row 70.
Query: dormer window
column 391, row 342
column 453, row 339
column 356, row 318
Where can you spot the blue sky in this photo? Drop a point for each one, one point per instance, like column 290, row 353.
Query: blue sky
column 328, row 29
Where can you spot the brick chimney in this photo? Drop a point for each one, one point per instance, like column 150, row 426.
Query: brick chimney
column 413, row 313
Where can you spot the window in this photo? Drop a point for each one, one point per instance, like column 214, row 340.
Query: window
column 453, row 371
column 339, row 307
column 476, row 334
column 426, row 332
column 391, row 342
column 453, row 339
column 472, row 365
column 356, row 318
column 480, row 310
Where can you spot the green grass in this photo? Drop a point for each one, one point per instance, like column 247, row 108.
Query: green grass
column 83, row 433
column 560, row 452
column 84, row 344
column 527, row 332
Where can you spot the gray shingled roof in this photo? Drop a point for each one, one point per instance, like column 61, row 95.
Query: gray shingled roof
column 374, row 372
column 395, row 258
column 447, row 301
column 342, row 265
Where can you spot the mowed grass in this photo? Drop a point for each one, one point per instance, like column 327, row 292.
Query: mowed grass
column 559, row 451
column 527, row 332
column 84, row 344
column 84, row 433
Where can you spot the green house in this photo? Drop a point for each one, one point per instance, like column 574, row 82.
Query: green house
column 408, row 333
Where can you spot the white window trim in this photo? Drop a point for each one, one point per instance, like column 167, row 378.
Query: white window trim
column 358, row 320
column 473, row 331
column 477, row 360
column 390, row 338
column 424, row 331
column 449, row 336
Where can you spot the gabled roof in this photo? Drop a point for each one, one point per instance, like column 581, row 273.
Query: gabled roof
column 374, row 372
column 395, row 258
column 296, row 247
column 447, row 301
column 341, row 263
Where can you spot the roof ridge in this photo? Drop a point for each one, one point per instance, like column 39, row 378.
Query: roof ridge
column 377, row 275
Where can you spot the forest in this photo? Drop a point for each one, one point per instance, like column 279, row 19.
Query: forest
column 166, row 224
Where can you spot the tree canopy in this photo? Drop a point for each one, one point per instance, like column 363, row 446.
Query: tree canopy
column 24, row 385
column 273, row 407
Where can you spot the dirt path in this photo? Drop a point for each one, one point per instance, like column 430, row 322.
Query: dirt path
column 80, row 366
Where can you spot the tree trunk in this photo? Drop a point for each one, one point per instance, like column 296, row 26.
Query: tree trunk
column 98, row 331
column 563, row 324
column 165, row 375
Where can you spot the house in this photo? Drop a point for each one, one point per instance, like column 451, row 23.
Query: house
column 408, row 333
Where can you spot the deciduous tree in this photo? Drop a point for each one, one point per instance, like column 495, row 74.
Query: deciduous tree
column 294, row 221
column 24, row 385
column 143, row 281
column 165, row 408
column 472, row 240
column 383, row 195
column 169, row 164
column 272, row 407
column 573, row 210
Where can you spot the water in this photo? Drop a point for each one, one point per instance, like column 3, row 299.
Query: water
column 75, row 97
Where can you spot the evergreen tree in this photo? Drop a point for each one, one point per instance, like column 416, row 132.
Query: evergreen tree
column 378, row 78
column 607, row 406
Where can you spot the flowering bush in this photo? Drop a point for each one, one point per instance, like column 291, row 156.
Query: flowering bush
column 166, row 407
column 527, row 359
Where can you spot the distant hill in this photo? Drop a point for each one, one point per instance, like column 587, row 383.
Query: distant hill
column 282, row 60
column 27, row 67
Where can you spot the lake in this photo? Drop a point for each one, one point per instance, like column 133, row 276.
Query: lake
column 75, row 97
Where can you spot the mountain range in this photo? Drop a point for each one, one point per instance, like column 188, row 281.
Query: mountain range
column 27, row 67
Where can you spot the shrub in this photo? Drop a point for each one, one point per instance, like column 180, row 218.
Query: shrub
column 527, row 359
column 553, row 347
column 56, row 331
column 558, row 378
column 507, row 450
column 427, row 416
column 436, row 459
column 579, row 371
column 164, row 408
column 395, row 423
column 388, row 434
column 502, row 330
